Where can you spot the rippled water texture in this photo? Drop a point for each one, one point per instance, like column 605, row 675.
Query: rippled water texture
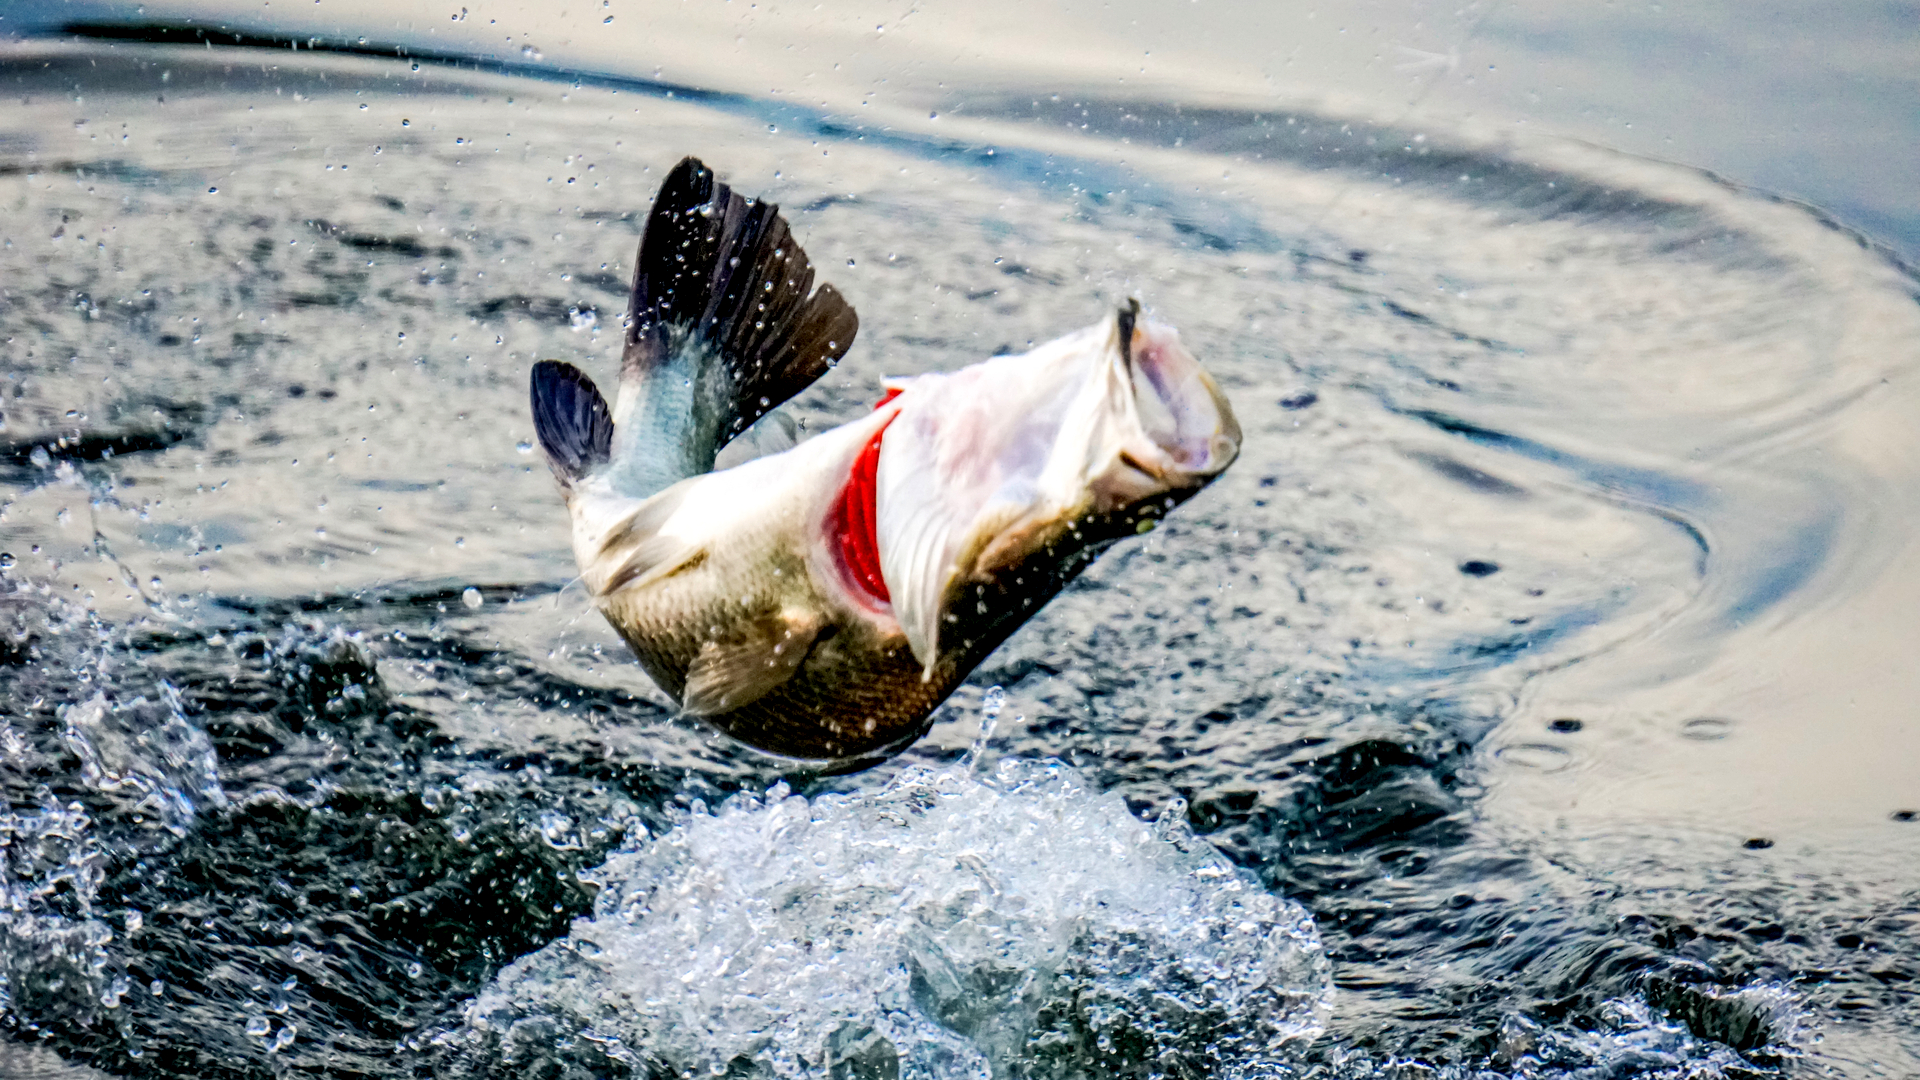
column 1546, row 645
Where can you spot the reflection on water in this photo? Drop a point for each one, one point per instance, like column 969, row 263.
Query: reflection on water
column 1556, row 465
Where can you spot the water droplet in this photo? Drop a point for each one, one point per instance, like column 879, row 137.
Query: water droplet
column 556, row 829
column 994, row 700
column 414, row 970
column 991, row 704
column 472, row 598
column 524, row 446
column 213, row 191
column 258, row 1026
column 7, row 560
column 115, row 991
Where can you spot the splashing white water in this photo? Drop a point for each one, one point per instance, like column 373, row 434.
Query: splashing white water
column 150, row 752
column 942, row 927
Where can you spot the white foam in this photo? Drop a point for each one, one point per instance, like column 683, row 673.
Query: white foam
column 945, row 926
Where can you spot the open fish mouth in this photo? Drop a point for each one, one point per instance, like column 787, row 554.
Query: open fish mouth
column 1011, row 469
column 1184, row 430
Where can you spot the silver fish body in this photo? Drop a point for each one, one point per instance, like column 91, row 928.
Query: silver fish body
column 820, row 603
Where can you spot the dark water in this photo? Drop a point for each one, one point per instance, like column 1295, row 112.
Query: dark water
column 1491, row 653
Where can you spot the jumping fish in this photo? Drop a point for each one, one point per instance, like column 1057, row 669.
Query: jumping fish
column 819, row 603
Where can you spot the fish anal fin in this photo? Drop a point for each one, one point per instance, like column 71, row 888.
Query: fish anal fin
column 751, row 661
column 651, row 561
column 634, row 552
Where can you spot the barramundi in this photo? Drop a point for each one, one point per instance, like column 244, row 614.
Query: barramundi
column 818, row 603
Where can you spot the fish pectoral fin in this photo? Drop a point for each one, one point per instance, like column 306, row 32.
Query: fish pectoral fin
column 926, row 562
column 917, row 562
column 929, row 530
column 751, row 661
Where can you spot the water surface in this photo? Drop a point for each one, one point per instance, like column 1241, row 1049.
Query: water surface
column 1545, row 645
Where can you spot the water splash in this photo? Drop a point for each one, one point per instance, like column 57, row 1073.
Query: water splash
column 147, row 750
column 949, row 925
column 991, row 705
column 53, row 940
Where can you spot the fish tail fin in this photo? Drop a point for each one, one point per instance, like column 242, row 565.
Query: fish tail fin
column 721, row 283
column 571, row 420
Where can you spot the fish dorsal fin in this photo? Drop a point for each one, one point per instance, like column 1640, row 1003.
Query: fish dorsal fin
column 750, row 661
column 720, row 280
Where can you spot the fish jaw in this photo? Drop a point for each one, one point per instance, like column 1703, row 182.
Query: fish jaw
column 1025, row 466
